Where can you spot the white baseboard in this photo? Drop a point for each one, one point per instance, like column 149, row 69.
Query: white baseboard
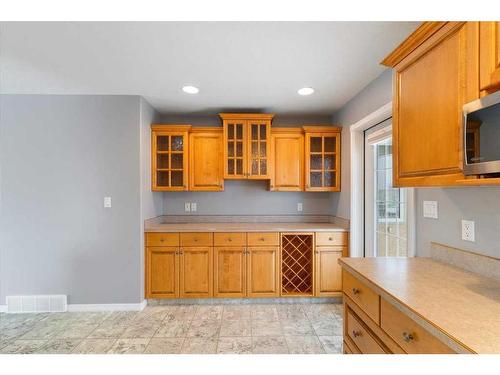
column 108, row 307
column 3, row 308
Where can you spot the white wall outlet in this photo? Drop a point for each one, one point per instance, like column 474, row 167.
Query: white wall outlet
column 187, row 207
column 107, row 202
column 468, row 230
column 299, row 207
column 194, row 206
column 431, row 209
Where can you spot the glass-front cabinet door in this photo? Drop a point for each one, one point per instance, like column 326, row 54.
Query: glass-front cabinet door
column 235, row 147
column 322, row 158
column 259, row 142
column 169, row 158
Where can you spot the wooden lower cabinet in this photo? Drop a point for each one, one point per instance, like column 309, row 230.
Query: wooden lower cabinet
column 263, row 271
column 328, row 271
column 230, row 272
column 196, row 272
column 162, row 272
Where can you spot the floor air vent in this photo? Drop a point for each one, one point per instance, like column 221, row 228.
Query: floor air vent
column 35, row 304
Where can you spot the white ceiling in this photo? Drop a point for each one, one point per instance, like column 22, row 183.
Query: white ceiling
column 236, row 65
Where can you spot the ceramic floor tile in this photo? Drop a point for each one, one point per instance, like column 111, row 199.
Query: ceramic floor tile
column 129, row 346
column 76, row 331
column 297, row 327
column 183, row 312
column 319, row 311
column 121, row 317
column 327, row 327
column 140, row 330
column 264, row 312
column 173, row 328
column 266, row 328
column 269, row 345
column 204, row 328
column 208, row 312
column 234, row 345
column 59, row 346
column 308, row 344
column 236, row 328
column 197, row 345
column 290, row 312
column 23, row 346
column 236, row 312
column 332, row 344
column 161, row 345
column 94, row 346
column 108, row 329
column 44, row 331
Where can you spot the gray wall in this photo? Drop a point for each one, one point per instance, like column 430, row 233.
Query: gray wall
column 60, row 155
column 249, row 197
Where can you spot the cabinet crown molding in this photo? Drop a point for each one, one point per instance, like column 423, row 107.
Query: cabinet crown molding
column 171, row 127
column 247, row 116
column 322, row 128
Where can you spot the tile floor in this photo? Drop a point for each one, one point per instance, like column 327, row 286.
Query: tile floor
column 194, row 329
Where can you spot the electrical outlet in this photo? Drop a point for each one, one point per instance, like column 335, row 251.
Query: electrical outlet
column 187, row 207
column 299, row 207
column 194, row 207
column 431, row 209
column 107, row 202
column 468, row 230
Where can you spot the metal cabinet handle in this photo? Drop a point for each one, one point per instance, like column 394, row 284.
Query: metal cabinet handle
column 230, row 239
column 330, row 239
column 355, row 291
column 356, row 333
column 408, row 337
column 261, row 239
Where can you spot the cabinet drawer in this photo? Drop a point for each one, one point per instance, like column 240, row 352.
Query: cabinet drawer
column 197, row 239
column 230, row 239
column 331, row 238
column 362, row 295
column 361, row 336
column 412, row 337
column 263, row 239
column 162, row 239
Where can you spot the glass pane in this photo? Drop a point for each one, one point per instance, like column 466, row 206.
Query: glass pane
column 263, row 167
column 255, row 167
column 263, row 134
column 329, row 162
column 255, row 152
column 263, row 149
column 392, row 246
column 177, row 161
column 239, row 149
column 381, row 244
column 239, row 131
column 316, row 162
column 230, row 149
column 239, row 166
column 177, row 143
column 330, row 144
column 162, row 161
column 177, row 179
column 162, row 178
column 162, row 143
column 230, row 166
column 316, row 179
column 402, row 248
column 381, row 156
column 316, row 144
column 255, row 132
column 230, row 131
column 329, row 179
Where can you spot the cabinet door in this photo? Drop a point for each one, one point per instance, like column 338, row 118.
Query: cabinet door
column 328, row 271
column 196, row 272
column 205, row 161
column 258, row 148
column 230, row 272
column 235, row 162
column 169, row 161
column 431, row 85
column 489, row 55
column 162, row 272
column 322, row 161
column 263, row 271
column 288, row 162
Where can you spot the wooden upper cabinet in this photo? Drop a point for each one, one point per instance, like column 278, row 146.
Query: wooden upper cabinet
column 435, row 73
column 322, row 158
column 489, row 56
column 246, row 145
column 169, row 157
column 205, row 160
column 287, row 159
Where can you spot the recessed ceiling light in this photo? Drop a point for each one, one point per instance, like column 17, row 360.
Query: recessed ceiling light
column 191, row 89
column 306, row 91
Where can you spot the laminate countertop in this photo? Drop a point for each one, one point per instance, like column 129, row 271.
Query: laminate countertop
column 451, row 303
column 242, row 227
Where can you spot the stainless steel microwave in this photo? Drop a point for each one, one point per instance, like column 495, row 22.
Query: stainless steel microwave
column 482, row 136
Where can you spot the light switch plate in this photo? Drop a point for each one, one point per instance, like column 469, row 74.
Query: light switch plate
column 187, row 207
column 468, row 230
column 431, row 209
column 194, row 206
column 107, row 202
column 299, row 207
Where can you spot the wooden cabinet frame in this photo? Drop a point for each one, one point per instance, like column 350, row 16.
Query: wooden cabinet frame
column 489, row 56
column 196, row 177
column 278, row 162
column 219, row 272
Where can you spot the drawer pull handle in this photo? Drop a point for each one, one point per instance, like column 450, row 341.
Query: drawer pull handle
column 230, row 239
column 356, row 333
column 195, row 240
column 330, row 239
column 162, row 240
column 408, row 337
column 261, row 239
column 355, row 291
